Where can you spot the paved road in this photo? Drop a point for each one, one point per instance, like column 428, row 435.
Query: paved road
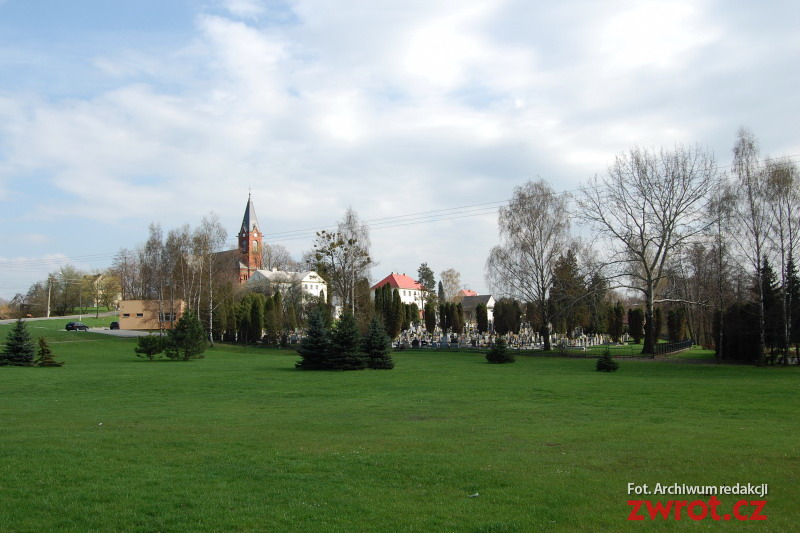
column 66, row 318
column 104, row 331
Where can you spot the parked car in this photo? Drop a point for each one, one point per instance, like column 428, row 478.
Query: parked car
column 114, row 325
column 77, row 326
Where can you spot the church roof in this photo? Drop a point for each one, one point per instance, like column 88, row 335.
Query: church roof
column 249, row 221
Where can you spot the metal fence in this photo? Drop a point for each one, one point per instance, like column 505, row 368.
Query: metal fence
column 672, row 347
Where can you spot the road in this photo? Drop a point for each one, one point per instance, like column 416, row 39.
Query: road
column 104, row 331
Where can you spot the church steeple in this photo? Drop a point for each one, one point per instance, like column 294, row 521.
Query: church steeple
column 250, row 242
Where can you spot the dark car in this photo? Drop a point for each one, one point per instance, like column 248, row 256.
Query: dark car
column 77, row 326
column 114, row 325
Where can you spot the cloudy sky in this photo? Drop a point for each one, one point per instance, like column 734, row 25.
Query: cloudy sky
column 116, row 114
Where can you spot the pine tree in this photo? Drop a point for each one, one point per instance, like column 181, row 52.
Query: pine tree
column 499, row 353
column 606, row 363
column 44, row 357
column 615, row 323
column 345, row 347
column 315, row 346
column 187, row 340
column 148, row 346
column 793, row 305
column 430, row 317
column 376, row 346
column 19, row 350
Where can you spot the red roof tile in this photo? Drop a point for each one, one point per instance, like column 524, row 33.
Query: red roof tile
column 467, row 292
column 398, row 281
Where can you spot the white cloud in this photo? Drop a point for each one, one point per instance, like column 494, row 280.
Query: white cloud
column 390, row 107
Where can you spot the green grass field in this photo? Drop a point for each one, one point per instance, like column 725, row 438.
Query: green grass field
column 240, row 441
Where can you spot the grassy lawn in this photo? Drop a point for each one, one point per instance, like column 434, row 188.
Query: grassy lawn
column 240, row 441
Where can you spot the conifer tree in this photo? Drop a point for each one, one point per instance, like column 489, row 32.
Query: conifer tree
column 397, row 315
column 499, row 353
column 19, row 350
column 44, row 356
column 376, row 346
column 315, row 346
column 430, row 317
column 345, row 348
column 482, row 318
column 187, row 340
column 636, row 324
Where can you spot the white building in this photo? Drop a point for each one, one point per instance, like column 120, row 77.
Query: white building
column 309, row 281
column 410, row 291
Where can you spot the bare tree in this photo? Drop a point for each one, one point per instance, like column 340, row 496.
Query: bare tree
column 343, row 257
column 534, row 232
column 278, row 257
column 648, row 206
column 209, row 239
column 451, row 282
column 753, row 216
column 784, row 200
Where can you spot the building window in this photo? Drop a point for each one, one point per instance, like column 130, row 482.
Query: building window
column 139, row 315
column 255, row 246
column 126, row 315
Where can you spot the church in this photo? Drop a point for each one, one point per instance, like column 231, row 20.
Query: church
column 246, row 262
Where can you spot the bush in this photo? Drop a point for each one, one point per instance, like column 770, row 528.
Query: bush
column 19, row 350
column 499, row 353
column 187, row 340
column 605, row 363
column 149, row 346
column 44, row 357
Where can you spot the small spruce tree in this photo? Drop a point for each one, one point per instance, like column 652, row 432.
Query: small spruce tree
column 187, row 340
column 345, row 349
column 315, row 346
column 605, row 363
column 149, row 346
column 44, row 356
column 500, row 353
column 377, row 346
column 19, row 350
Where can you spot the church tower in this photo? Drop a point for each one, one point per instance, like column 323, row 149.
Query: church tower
column 250, row 243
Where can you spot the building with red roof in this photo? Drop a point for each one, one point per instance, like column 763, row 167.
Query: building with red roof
column 410, row 291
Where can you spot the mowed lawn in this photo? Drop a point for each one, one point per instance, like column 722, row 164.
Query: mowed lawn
column 240, row 441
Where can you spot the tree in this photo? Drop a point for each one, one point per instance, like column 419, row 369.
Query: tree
column 676, row 324
column 148, row 346
column 615, row 322
column 658, row 323
column 430, row 317
column 345, row 347
column 752, row 215
column 19, row 350
column 605, row 363
column 507, row 316
column 425, row 278
column 187, row 340
column 44, row 356
column 793, row 297
column 482, row 318
column 636, row 324
column 397, row 314
column 774, row 332
column 344, row 257
column 534, row 231
column 451, row 283
column 315, row 347
column 499, row 353
column 784, row 197
column 376, row 346
column 568, row 295
column 648, row 206
column 278, row 257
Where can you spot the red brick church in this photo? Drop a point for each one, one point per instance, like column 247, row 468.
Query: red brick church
column 246, row 259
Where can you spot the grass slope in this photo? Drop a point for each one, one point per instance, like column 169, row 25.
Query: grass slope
column 240, row 441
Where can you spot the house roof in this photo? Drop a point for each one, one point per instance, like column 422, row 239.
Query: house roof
column 467, row 292
column 398, row 281
column 471, row 302
column 249, row 221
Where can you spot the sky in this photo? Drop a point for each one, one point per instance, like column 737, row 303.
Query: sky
column 118, row 114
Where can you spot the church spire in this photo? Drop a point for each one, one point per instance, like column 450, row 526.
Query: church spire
column 249, row 221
